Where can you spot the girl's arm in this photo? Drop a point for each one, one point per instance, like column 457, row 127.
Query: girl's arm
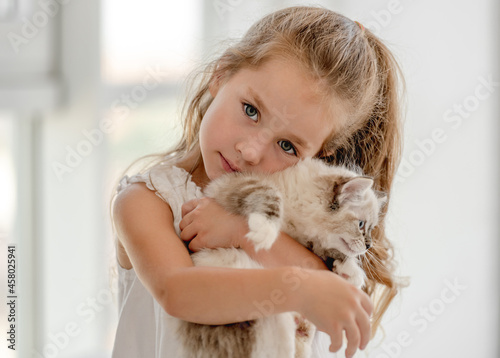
column 207, row 295
column 207, row 225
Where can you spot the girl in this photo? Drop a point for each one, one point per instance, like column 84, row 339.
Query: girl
column 303, row 82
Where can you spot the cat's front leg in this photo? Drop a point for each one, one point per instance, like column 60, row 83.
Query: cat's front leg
column 260, row 202
column 350, row 270
column 263, row 230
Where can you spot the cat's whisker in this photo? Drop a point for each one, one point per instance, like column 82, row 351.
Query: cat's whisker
column 369, row 268
column 371, row 272
column 373, row 258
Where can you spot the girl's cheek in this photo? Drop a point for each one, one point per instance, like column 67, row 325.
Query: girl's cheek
column 276, row 162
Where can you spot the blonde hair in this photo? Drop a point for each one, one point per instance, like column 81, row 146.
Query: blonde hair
column 350, row 63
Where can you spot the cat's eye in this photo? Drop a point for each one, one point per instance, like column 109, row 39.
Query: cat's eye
column 251, row 112
column 361, row 224
column 287, row 147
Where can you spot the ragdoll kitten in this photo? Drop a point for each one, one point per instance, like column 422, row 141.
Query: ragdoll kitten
column 331, row 210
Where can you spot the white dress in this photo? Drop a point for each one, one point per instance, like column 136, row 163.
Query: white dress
column 144, row 329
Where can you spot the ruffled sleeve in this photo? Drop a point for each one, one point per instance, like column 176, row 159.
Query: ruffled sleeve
column 170, row 183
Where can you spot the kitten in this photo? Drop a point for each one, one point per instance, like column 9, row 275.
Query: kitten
column 331, row 210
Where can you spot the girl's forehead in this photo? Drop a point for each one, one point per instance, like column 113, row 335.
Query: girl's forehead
column 291, row 100
column 289, row 78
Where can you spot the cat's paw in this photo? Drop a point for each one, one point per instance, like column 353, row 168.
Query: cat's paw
column 263, row 231
column 304, row 335
column 350, row 270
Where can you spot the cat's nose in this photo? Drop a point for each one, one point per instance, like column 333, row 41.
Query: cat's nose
column 368, row 245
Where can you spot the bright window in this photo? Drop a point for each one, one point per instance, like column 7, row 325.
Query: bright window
column 140, row 34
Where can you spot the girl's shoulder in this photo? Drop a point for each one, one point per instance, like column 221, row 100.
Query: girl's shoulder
column 151, row 200
column 133, row 206
column 144, row 189
column 165, row 179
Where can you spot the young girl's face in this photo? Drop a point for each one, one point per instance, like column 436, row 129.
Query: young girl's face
column 264, row 120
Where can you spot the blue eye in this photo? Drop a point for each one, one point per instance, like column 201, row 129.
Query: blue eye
column 361, row 225
column 287, row 147
column 251, row 112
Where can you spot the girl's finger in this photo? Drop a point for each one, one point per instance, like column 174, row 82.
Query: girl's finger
column 364, row 324
column 187, row 233
column 189, row 206
column 367, row 304
column 353, row 339
column 186, row 220
column 193, row 245
column 336, row 339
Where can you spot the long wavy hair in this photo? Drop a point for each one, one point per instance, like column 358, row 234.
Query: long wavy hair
column 350, row 63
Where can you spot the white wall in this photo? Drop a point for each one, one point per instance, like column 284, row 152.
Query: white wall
column 445, row 210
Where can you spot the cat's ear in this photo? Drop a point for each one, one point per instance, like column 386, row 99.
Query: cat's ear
column 354, row 188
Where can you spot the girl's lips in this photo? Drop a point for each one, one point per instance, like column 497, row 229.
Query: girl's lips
column 228, row 166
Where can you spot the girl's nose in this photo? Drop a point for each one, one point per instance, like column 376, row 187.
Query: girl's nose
column 252, row 151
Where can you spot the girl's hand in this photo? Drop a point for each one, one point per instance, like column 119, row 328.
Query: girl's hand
column 334, row 306
column 207, row 225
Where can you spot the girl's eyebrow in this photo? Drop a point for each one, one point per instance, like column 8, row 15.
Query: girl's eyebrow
column 298, row 141
column 262, row 107
column 259, row 102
